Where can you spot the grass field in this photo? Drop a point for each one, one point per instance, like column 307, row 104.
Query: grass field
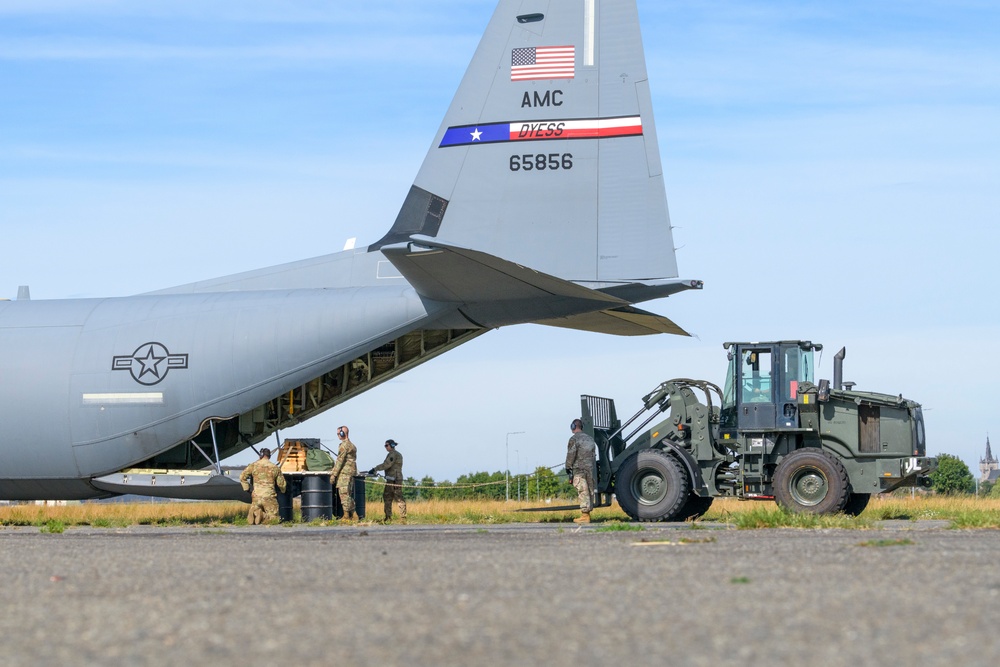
column 962, row 511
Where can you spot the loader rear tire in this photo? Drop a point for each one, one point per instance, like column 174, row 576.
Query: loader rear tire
column 694, row 508
column 857, row 503
column 652, row 486
column 811, row 481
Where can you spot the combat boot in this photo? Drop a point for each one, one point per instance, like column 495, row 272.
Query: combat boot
column 583, row 518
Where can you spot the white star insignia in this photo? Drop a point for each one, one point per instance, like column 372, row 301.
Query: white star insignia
column 476, row 135
column 150, row 363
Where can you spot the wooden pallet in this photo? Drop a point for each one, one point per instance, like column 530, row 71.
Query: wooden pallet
column 292, row 456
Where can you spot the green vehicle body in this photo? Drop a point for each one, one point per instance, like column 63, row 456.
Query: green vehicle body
column 771, row 432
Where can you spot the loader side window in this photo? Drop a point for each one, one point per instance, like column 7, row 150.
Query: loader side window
column 797, row 367
column 727, row 416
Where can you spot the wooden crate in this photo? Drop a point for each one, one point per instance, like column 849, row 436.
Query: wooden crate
column 292, row 456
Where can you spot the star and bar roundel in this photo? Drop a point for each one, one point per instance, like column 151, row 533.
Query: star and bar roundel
column 149, row 363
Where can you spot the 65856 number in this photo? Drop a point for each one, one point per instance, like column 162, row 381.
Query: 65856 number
column 541, row 161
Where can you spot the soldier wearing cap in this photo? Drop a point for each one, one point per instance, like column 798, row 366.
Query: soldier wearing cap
column 342, row 476
column 266, row 478
column 581, row 453
column 393, row 467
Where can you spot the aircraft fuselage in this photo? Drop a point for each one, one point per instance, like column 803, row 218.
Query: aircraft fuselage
column 143, row 375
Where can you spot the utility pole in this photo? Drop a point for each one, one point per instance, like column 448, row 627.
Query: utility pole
column 507, row 455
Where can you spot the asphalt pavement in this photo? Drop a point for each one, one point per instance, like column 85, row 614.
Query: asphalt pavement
column 530, row 594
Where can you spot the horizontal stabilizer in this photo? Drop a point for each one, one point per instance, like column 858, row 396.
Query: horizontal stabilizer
column 493, row 291
column 623, row 321
column 448, row 273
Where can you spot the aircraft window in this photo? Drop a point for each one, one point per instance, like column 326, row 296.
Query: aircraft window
column 530, row 18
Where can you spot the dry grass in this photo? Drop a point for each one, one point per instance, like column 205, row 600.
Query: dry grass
column 962, row 511
column 115, row 515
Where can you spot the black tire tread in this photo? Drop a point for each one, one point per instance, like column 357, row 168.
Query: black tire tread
column 856, row 503
column 829, row 465
column 694, row 508
column 667, row 465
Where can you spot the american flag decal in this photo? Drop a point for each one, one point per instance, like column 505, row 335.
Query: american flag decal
column 543, row 62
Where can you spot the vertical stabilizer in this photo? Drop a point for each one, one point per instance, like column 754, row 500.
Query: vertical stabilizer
column 548, row 156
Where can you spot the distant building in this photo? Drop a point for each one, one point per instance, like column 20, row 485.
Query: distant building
column 989, row 467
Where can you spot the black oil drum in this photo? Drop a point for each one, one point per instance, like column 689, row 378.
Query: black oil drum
column 317, row 497
column 338, row 506
column 285, row 504
column 359, row 496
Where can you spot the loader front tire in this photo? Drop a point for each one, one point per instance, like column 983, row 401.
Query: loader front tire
column 811, row 481
column 652, row 486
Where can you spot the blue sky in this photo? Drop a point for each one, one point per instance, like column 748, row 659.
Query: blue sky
column 832, row 171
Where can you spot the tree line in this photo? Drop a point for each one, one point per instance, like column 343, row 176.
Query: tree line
column 540, row 485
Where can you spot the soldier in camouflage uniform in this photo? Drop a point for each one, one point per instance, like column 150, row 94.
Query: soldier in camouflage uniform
column 580, row 456
column 344, row 471
column 264, row 499
column 393, row 467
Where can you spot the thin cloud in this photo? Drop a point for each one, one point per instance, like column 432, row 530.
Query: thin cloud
column 313, row 50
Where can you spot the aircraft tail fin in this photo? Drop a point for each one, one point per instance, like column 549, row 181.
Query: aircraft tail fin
column 548, row 155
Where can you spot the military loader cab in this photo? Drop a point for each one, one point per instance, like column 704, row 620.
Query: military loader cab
column 771, row 432
column 761, row 389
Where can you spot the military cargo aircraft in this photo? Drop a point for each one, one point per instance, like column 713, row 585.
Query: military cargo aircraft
column 541, row 199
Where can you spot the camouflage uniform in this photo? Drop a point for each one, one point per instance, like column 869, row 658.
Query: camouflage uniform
column 580, row 456
column 393, row 467
column 264, row 500
column 343, row 475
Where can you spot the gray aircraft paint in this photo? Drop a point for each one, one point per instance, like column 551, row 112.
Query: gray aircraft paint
column 91, row 387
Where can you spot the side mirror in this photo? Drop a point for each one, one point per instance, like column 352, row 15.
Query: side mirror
column 823, row 395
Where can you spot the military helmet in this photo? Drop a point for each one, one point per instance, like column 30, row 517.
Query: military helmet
column 390, row 443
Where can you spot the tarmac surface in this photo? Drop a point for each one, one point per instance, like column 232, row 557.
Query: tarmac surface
column 527, row 594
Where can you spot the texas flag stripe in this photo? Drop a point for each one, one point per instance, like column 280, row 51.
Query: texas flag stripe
column 544, row 130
